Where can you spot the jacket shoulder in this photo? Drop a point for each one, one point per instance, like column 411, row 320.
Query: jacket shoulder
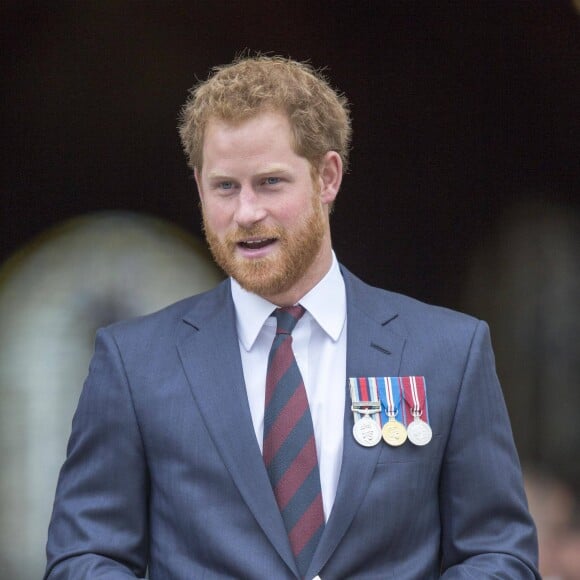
column 404, row 312
column 166, row 322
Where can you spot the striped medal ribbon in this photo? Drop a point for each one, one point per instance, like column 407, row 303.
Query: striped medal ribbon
column 415, row 395
column 366, row 408
column 394, row 432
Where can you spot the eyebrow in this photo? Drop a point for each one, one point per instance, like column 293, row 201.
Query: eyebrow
column 215, row 175
column 268, row 170
column 274, row 168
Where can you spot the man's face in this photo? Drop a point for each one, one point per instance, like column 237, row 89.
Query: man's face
column 265, row 219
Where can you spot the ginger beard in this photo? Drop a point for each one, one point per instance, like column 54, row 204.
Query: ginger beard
column 274, row 274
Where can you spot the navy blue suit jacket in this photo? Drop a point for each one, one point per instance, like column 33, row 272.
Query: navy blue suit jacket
column 164, row 471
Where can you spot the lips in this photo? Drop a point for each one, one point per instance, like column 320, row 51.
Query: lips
column 256, row 244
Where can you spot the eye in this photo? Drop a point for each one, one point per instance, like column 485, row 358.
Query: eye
column 272, row 180
column 226, row 185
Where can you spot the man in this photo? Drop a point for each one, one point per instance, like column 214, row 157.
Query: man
column 215, row 439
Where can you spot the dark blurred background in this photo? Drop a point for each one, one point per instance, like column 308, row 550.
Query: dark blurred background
column 465, row 167
column 460, row 109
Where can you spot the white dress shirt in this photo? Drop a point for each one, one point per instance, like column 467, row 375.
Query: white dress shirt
column 319, row 344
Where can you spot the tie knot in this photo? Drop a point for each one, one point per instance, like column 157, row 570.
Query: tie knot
column 287, row 318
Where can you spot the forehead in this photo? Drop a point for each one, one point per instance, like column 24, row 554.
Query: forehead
column 265, row 134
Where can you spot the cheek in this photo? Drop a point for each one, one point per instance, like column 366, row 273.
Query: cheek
column 216, row 217
column 295, row 212
column 292, row 208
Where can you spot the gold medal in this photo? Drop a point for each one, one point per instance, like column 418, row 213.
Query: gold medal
column 394, row 432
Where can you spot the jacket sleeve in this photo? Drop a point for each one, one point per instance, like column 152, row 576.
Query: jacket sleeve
column 487, row 531
column 99, row 523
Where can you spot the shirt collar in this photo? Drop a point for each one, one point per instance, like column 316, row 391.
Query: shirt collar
column 326, row 303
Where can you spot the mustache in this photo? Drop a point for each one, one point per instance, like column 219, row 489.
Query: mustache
column 259, row 231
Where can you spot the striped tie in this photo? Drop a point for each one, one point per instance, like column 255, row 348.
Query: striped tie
column 289, row 445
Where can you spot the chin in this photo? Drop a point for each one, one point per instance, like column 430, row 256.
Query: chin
column 261, row 277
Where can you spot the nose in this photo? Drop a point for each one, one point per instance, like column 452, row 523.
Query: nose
column 250, row 208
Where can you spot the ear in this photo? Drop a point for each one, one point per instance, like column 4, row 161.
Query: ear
column 330, row 176
column 198, row 183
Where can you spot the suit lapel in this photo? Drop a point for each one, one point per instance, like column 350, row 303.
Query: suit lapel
column 210, row 354
column 372, row 350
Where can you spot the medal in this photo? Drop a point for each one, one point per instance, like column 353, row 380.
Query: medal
column 366, row 409
column 366, row 432
column 418, row 430
column 394, row 432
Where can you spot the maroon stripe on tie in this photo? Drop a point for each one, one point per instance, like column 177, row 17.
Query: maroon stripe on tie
column 304, row 529
column 284, row 423
column 281, row 362
column 296, row 474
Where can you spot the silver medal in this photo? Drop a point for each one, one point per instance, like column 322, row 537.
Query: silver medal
column 366, row 432
column 419, row 432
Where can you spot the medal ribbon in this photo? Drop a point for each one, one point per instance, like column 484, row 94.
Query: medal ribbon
column 415, row 396
column 364, row 389
column 390, row 393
